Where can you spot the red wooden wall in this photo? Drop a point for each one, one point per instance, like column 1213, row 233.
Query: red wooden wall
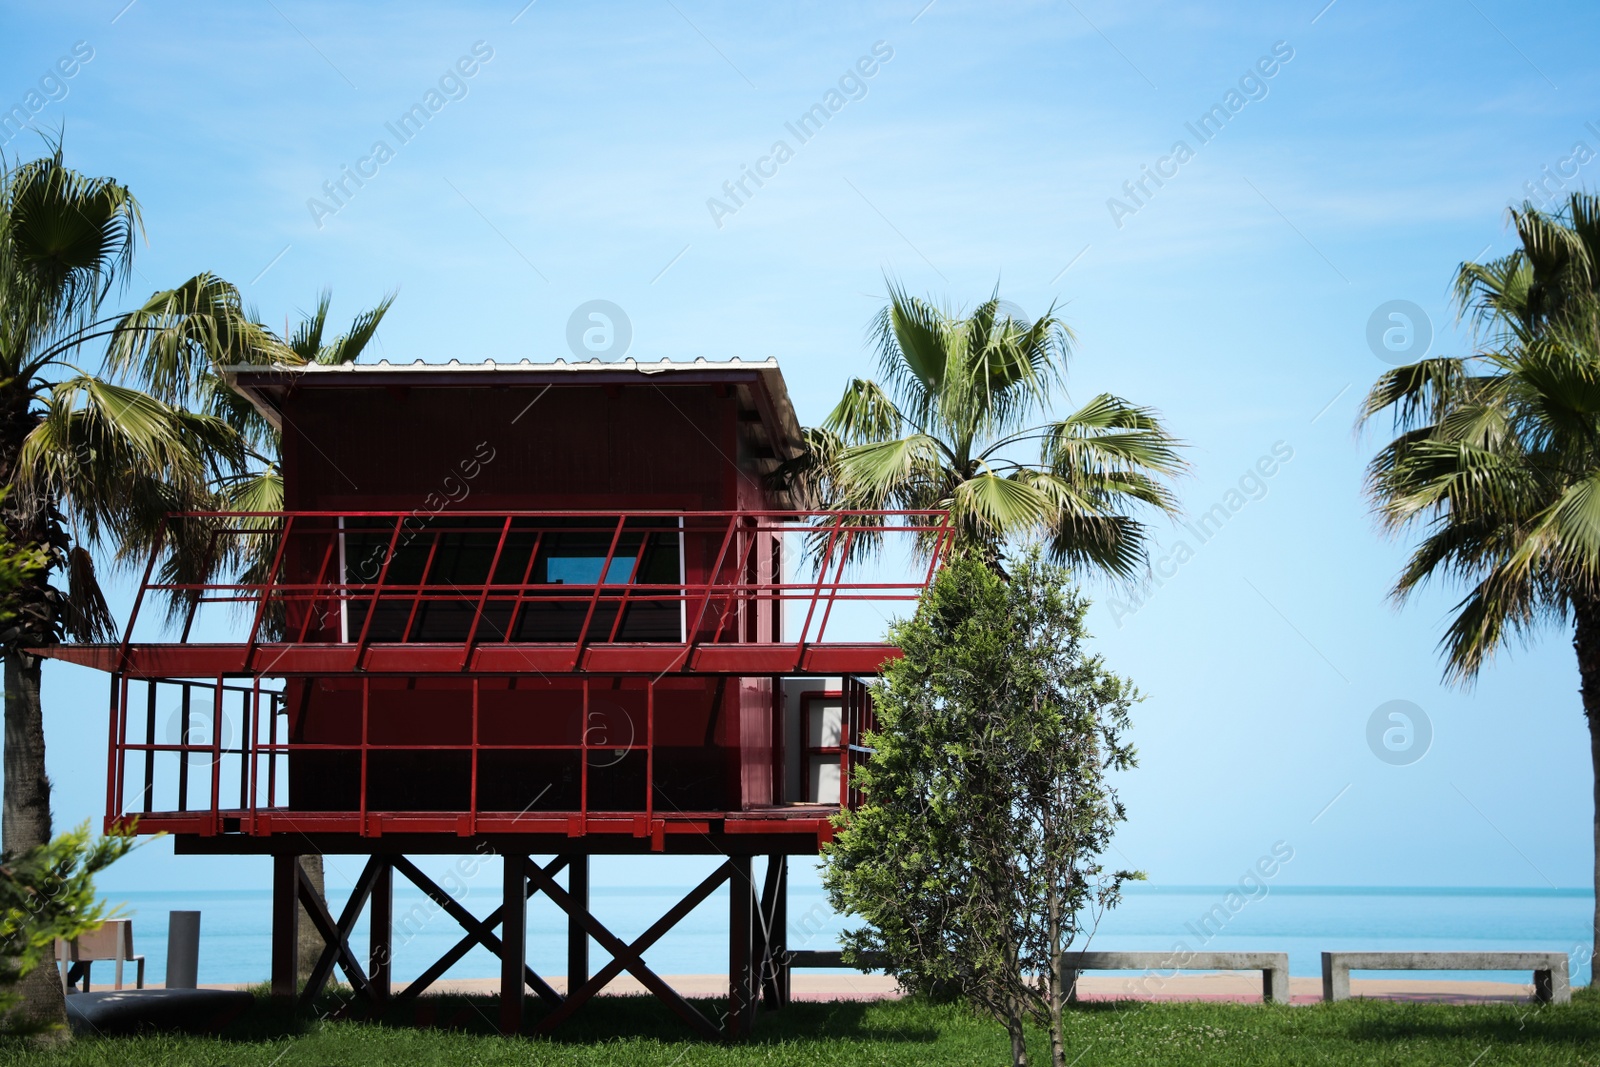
column 590, row 446
column 360, row 447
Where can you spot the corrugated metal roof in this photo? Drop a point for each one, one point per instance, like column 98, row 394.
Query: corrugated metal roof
column 265, row 385
column 627, row 366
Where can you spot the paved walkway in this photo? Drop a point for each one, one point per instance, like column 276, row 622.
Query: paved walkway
column 1240, row 988
column 1235, row 988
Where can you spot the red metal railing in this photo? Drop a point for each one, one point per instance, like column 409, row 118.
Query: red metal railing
column 459, row 582
column 190, row 756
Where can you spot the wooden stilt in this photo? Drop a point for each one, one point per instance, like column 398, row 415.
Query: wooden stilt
column 577, row 936
column 285, row 926
column 513, row 943
column 381, row 932
column 742, row 980
column 771, row 934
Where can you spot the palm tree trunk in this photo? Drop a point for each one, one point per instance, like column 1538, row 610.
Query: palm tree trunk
column 1594, row 761
column 25, row 807
column 26, row 820
column 1586, row 641
column 311, row 943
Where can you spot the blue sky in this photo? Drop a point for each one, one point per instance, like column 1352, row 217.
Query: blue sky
column 577, row 160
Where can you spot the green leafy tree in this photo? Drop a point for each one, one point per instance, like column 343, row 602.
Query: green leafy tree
column 47, row 893
column 93, row 462
column 975, row 858
column 1497, row 456
column 952, row 426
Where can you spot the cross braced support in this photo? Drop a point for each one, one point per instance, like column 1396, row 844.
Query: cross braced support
column 629, row 957
column 462, row 947
column 479, row 931
column 336, row 935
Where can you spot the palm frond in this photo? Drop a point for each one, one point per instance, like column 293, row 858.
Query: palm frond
column 71, row 236
column 913, row 339
column 260, row 490
column 879, row 473
column 995, row 507
column 1088, row 524
column 1564, row 539
column 1417, row 392
column 864, row 414
column 306, row 338
column 172, row 344
column 96, row 443
column 943, row 430
column 1110, row 433
column 348, row 347
column 808, row 476
column 1114, row 544
column 86, row 615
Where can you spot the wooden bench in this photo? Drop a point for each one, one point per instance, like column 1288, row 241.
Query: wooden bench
column 1274, row 966
column 1549, row 969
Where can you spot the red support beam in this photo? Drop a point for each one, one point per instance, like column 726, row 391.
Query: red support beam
column 577, row 936
column 380, row 932
column 216, row 749
column 285, row 925
column 742, row 980
column 600, row 584
column 513, row 943
column 144, row 584
column 114, row 751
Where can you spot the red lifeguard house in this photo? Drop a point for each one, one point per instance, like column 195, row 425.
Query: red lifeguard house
column 513, row 610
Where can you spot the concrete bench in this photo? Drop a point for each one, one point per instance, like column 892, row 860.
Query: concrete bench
column 1549, row 968
column 1274, row 966
column 809, row 958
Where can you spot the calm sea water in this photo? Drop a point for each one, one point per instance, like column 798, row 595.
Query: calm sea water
column 1303, row 921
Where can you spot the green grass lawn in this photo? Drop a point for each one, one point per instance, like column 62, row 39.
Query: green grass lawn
column 639, row 1031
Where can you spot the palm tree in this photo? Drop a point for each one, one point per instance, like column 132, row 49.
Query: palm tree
column 94, row 462
column 1497, row 456
column 954, row 428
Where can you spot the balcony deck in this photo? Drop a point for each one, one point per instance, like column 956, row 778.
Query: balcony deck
column 787, row 829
